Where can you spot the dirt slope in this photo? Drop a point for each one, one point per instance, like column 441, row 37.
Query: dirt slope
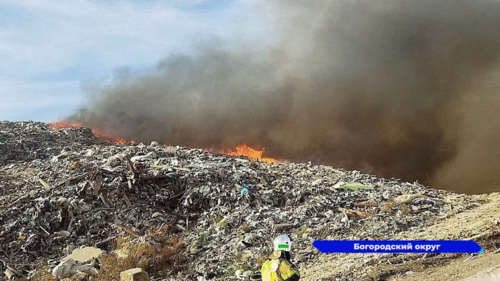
column 480, row 224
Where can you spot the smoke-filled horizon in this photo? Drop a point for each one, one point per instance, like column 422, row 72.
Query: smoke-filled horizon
column 395, row 88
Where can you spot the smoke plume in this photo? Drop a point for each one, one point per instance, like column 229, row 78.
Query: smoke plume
column 392, row 87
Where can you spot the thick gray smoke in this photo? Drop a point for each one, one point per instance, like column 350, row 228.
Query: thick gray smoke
column 393, row 88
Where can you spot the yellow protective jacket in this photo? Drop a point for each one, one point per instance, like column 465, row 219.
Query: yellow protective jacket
column 278, row 269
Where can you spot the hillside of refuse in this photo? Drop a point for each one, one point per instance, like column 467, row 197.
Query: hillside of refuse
column 187, row 214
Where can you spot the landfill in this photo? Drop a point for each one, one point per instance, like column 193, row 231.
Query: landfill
column 64, row 189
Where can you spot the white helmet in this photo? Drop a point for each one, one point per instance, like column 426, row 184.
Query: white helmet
column 282, row 243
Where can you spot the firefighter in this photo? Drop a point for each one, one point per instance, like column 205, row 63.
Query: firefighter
column 278, row 266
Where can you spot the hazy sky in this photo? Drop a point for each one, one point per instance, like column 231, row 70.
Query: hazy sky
column 50, row 48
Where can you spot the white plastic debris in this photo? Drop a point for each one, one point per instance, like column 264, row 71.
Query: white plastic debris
column 70, row 267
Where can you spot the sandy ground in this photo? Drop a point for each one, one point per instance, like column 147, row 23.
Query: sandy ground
column 490, row 274
column 481, row 224
column 485, row 267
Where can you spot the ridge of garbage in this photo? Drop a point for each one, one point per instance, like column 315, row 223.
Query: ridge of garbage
column 61, row 189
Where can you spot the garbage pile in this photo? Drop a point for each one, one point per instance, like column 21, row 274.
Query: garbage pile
column 31, row 140
column 64, row 189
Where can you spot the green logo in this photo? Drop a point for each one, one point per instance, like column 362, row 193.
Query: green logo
column 283, row 246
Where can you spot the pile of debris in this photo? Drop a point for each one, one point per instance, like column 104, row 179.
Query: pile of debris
column 64, row 189
column 31, row 140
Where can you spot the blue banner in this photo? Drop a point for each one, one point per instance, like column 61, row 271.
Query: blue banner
column 398, row 246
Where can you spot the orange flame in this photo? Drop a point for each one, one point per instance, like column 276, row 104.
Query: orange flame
column 241, row 150
column 64, row 125
column 107, row 136
column 245, row 150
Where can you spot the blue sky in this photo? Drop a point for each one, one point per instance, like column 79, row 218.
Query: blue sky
column 49, row 48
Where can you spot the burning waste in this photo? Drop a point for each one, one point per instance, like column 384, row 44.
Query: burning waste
column 245, row 150
column 107, row 135
column 189, row 171
column 396, row 88
column 175, row 213
column 240, row 150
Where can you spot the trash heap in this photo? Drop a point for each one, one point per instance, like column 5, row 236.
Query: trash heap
column 65, row 189
column 31, row 140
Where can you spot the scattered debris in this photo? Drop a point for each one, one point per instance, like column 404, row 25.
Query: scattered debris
column 407, row 198
column 70, row 267
column 135, row 274
column 357, row 186
column 222, row 208
column 84, row 255
column 12, row 274
column 354, row 213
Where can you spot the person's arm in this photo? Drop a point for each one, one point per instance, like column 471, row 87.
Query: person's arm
column 288, row 271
